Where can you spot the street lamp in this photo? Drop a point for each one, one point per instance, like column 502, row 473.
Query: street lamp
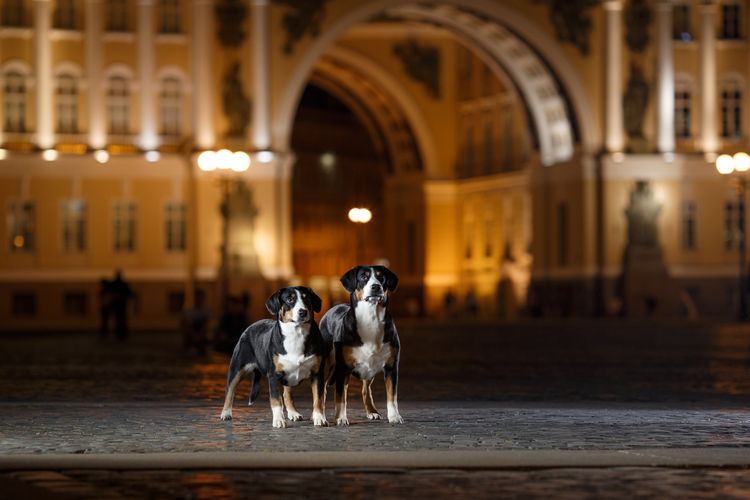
column 738, row 164
column 360, row 216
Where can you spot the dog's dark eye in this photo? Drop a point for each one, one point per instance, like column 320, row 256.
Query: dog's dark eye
column 290, row 299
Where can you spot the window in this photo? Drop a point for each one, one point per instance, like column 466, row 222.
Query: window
column 118, row 103
column 65, row 14
column 20, row 223
column 469, row 241
column 562, row 234
column 731, row 108
column 688, row 225
column 13, row 13
column 117, row 15
column 489, row 237
column 171, row 97
column 75, row 304
column 23, row 304
column 732, row 224
column 67, row 104
column 682, row 102
column 170, row 16
column 74, row 226
column 15, row 102
column 175, row 226
column 731, row 19
column 175, row 302
column 681, row 23
column 124, row 226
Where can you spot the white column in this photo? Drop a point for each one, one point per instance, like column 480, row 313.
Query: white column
column 709, row 95
column 261, row 122
column 665, row 137
column 94, row 34
column 203, row 97
column 614, row 136
column 148, row 137
column 45, row 136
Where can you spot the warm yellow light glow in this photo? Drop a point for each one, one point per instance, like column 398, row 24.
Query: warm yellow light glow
column 725, row 164
column 50, row 154
column 240, row 161
column 264, row 156
column 741, row 162
column 207, row 161
column 360, row 215
column 223, row 159
column 18, row 241
column 3, row 153
column 101, row 156
column 152, row 156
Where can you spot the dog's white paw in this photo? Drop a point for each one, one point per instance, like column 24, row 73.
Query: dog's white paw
column 319, row 420
column 279, row 423
column 226, row 415
column 373, row 416
column 294, row 416
column 342, row 421
column 395, row 418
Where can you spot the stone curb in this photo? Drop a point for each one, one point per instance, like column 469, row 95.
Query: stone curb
column 509, row 459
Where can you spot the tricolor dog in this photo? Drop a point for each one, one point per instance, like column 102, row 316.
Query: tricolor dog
column 287, row 350
column 365, row 339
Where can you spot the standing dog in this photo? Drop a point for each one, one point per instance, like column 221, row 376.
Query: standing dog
column 365, row 339
column 288, row 350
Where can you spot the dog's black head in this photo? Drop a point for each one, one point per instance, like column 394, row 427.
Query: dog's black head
column 295, row 304
column 371, row 283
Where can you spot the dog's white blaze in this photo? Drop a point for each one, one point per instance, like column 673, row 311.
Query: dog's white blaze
column 295, row 364
column 371, row 356
column 372, row 281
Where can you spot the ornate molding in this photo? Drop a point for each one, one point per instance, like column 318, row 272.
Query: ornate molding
column 230, row 17
column 302, row 17
column 235, row 103
column 421, row 63
column 635, row 102
column 572, row 21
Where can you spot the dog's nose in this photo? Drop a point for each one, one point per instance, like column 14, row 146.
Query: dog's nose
column 376, row 287
column 302, row 313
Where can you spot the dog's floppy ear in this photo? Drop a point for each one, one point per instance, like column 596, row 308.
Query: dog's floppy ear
column 391, row 280
column 273, row 304
column 349, row 280
column 317, row 303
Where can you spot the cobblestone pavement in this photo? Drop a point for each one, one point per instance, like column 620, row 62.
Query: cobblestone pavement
column 583, row 386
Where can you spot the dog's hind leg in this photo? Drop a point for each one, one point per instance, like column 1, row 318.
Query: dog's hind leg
column 370, row 410
column 256, row 387
column 233, row 378
column 291, row 412
column 391, row 391
column 319, row 398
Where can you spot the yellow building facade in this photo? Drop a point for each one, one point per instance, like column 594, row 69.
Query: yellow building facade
column 538, row 158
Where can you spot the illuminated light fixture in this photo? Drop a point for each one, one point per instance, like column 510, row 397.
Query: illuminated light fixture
column 725, row 164
column 264, row 156
column 240, row 161
column 360, row 215
column 224, row 159
column 50, row 154
column 152, row 156
column 741, row 162
column 101, row 156
column 18, row 241
column 207, row 161
column 618, row 157
column 3, row 153
column 328, row 161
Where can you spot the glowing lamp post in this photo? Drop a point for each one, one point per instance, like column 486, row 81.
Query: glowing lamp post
column 360, row 216
column 738, row 165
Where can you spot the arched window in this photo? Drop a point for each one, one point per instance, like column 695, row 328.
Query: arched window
column 117, row 15
column 731, row 108
column 65, row 14
column 118, row 98
column 67, row 104
column 14, row 92
column 170, row 16
column 681, row 26
column 13, row 13
column 682, row 108
column 171, row 99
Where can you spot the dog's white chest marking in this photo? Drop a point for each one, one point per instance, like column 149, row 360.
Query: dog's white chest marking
column 370, row 358
column 294, row 363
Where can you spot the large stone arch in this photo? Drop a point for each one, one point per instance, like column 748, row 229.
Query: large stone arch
column 529, row 55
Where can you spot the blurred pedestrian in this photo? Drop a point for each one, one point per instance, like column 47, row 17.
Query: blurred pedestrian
column 120, row 294
column 195, row 323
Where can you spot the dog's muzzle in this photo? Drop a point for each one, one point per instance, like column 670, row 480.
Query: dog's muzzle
column 375, row 299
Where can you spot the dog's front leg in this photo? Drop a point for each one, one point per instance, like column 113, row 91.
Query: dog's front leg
column 319, row 397
column 372, row 412
column 342, row 387
column 391, row 391
column 277, row 406
column 291, row 411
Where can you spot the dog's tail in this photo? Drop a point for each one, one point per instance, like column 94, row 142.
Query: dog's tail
column 256, row 387
column 331, row 376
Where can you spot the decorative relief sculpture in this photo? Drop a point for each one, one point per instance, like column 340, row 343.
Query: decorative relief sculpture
column 421, row 63
column 642, row 212
column 230, row 16
column 303, row 16
column 235, row 103
column 571, row 20
column 638, row 25
column 635, row 102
